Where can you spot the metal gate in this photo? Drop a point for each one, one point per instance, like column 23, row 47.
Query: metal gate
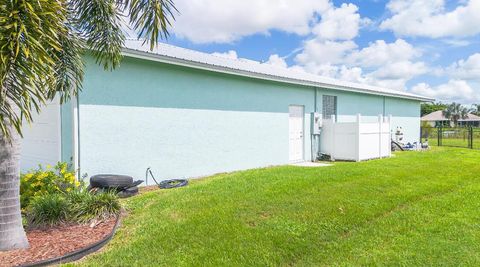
column 466, row 137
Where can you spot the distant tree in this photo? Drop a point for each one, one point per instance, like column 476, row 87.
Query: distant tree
column 428, row 108
column 426, row 129
column 476, row 109
column 455, row 112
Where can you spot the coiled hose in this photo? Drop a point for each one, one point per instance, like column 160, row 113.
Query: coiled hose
column 166, row 184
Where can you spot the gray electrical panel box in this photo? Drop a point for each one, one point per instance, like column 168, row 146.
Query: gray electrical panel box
column 316, row 122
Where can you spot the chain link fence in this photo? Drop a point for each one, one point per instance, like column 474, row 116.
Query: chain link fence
column 467, row 137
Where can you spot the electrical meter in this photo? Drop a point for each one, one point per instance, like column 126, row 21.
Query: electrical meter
column 316, row 121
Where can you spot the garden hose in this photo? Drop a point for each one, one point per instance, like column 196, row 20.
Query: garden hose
column 166, row 184
column 397, row 145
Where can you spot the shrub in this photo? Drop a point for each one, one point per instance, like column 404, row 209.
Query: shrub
column 86, row 206
column 47, row 210
column 46, row 181
column 77, row 206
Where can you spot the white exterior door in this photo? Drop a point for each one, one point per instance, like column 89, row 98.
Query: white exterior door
column 296, row 132
column 42, row 139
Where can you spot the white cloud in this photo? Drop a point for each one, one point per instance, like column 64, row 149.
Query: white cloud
column 331, row 51
column 405, row 70
column 276, row 60
column 321, row 52
column 429, row 18
column 468, row 69
column 333, row 39
column 389, row 65
column 207, row 21
column 454, row 90
column 464, row 78
column 457, row 42
column 327, row 70
column 341, row 23
column 226, row 21
column 380, row 53
column 232, row 54
column 354, row 74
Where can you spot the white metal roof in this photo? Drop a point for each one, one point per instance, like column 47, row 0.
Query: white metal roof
column 180, row 56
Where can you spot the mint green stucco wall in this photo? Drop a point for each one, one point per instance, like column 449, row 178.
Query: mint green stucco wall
column 185, row 122
column 143, row 83
column 350, row 104
column 405, row 114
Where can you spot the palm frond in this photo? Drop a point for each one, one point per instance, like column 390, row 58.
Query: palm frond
column 456, row 112
column 69, row 67
column 151, row 18
column 42, row 43
column 99, row 21
column 30, row 31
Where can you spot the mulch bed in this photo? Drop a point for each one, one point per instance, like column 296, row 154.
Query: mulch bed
column 146, row 189
column 55, row 242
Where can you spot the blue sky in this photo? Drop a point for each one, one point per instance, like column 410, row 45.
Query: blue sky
column 428, row 47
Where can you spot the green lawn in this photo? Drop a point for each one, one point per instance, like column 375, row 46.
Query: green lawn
column 415, row 209
column 456, row 142
column 461, row 142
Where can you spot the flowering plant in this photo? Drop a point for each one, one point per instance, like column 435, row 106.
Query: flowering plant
column 49, row 180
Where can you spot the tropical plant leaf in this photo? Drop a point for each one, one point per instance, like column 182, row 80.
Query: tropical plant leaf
column 99, row 21
column 30, row 34
column 151, row 18
column 42, row 43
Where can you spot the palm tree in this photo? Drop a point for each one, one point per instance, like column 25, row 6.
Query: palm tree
column 41, row 48
column 476, row 109
column 455, row 112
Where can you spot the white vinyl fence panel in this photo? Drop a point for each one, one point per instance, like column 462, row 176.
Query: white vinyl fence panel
column 41, row 143
column 356, row 141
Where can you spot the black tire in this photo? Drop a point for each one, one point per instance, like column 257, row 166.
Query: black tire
column 129, row 192
column 137, row 183
column 111, row 181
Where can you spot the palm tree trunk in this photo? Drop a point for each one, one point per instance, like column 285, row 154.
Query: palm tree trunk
column 12, row 234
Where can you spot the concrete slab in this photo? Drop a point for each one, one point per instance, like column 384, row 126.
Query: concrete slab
column 310, row 164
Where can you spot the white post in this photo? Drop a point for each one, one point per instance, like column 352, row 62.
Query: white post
column 332, row 156
column 389, row 136
column 380, row 133
column 358, row 137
